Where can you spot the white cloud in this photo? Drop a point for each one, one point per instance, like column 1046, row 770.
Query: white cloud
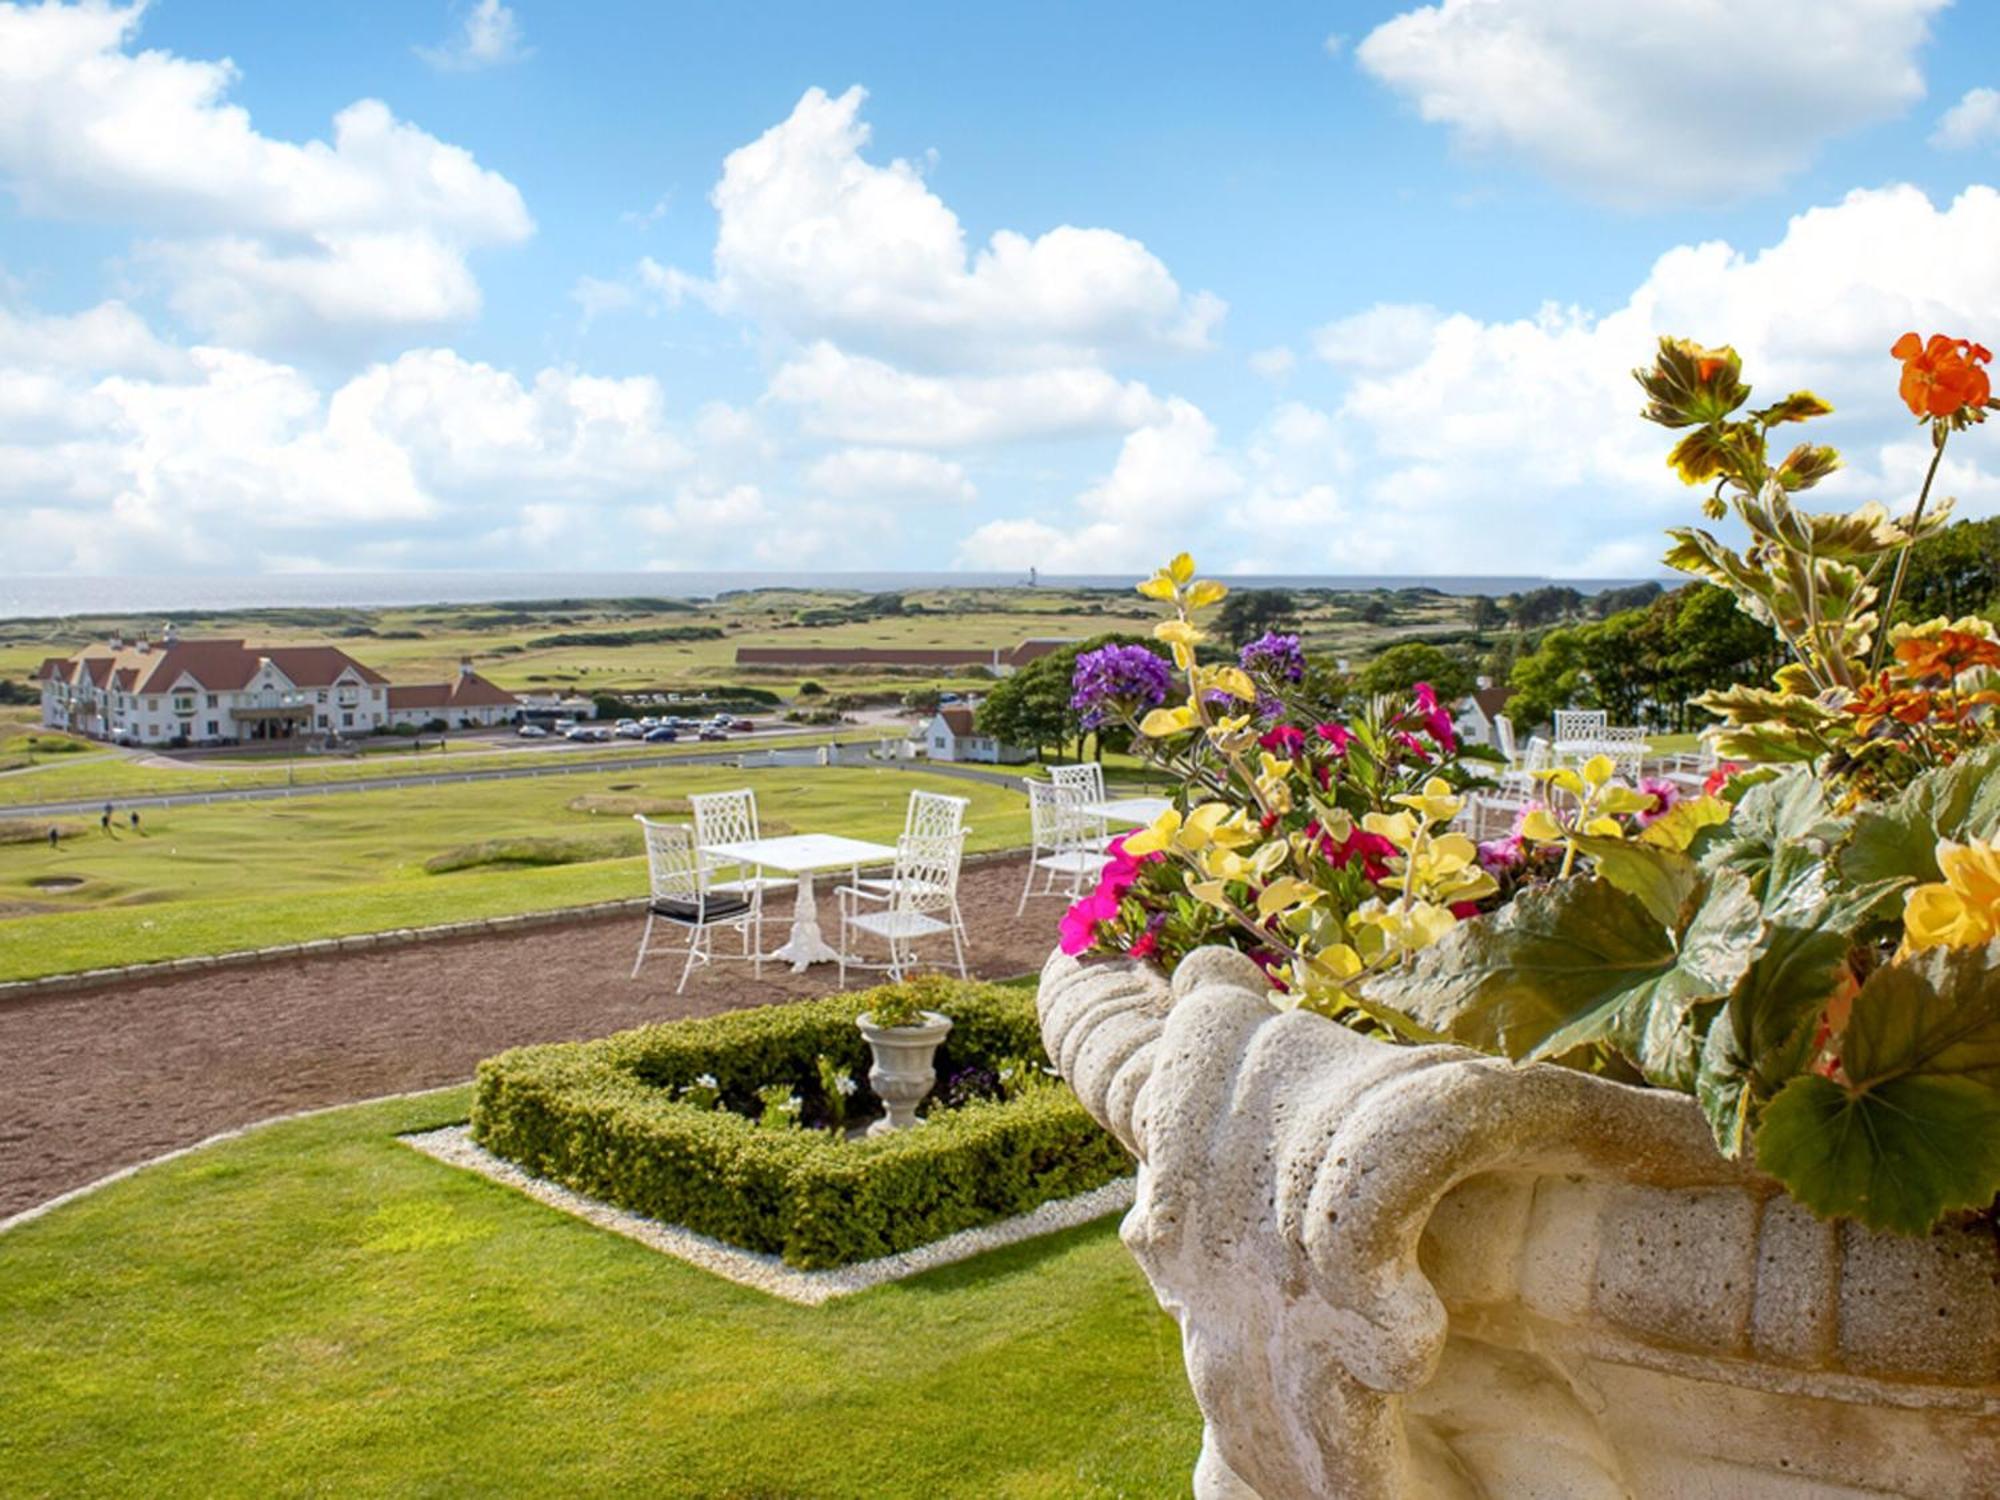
column 1274, row 364
column 1973, row 121
column 490, row 36
column 817, row 242
column 854, row 399
column 109, row 337
column 1515, row 446
column 889, row 474
column 227, row 460
column 1696, row 100
column 1383, row 337
column 261, row 239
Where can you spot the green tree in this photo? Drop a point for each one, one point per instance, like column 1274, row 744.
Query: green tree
column 1485, row 613
column 1635, row 596
column 1249, row 613
column 1544, row 606
column 1403, row 666
column 1032, row 706
column 1546, row 679
column 1955, row 572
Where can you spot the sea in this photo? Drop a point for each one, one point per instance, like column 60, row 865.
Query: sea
column 42, row 597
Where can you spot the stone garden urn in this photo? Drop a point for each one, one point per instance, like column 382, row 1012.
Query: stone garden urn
column 1418, row 1271
column 901, row 1071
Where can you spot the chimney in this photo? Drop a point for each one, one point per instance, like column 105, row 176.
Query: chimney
column 1482, row 682
column 144, row 645
column 465, row 666
column 166, row 632
column 117, row 641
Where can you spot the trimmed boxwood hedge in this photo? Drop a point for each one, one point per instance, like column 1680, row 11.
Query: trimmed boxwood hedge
column 601, row 1118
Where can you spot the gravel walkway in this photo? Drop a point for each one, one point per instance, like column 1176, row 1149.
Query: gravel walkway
column 96, row 1080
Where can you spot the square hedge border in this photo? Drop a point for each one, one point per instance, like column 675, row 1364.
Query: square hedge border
column 599, row 1117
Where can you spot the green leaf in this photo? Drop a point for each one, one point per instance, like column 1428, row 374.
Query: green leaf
column 1796, row 407
column 1764, row 1035
column 1790, row 808
column 1681, row 395
column 1662, row 879
column 1913, row 1131
column 1898, row 841
column 1806, row 465
column 1579, row 962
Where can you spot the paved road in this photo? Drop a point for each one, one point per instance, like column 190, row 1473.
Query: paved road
column 550, row 766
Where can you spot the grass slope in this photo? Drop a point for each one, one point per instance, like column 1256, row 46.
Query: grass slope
column 315, row 1309
column 247, row 875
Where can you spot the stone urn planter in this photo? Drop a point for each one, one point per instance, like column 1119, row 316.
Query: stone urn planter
column 901, row 1071
column 1418, row 1271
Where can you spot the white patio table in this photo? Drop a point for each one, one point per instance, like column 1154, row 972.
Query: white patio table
column 1137, row 812
column 803, row 855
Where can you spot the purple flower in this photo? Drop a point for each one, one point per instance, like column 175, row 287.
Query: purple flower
column 1278, row 657
column 1118, row 681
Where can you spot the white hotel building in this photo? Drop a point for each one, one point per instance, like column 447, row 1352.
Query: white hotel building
column 214, row 691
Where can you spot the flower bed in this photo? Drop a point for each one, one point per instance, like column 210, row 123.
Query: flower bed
column 728, row 1126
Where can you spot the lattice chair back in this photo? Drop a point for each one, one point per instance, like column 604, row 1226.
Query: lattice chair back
column 1086, row 778
column 927, row 872
column 1503, row 737
column 1046, row 818
column 672, row 866
column 1581, row 723
column 724, row 817
column 932, row 815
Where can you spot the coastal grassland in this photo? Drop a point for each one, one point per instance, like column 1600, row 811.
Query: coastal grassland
column 315, row 1308
column 516, row 644
column 108, row 774
column 211, row 879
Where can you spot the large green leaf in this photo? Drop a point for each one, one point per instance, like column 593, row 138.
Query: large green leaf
column 1579, row 962
column 1912, row 1130
column 1764, row 1035
column 1788, row 810
column 1898, row 841
column 1663, row 880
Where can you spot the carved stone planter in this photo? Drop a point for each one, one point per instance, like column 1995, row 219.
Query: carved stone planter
column 901, row 1072
column 1416, row 1271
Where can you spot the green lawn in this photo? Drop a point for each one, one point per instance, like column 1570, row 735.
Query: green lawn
column 200, row 880
column 106, row 774
column 318, row 1310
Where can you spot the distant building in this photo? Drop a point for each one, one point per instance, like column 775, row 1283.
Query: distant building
column 1477, row 716
column 468, row 701
column 949, row 735
column 227, row 692
column 1001, row 661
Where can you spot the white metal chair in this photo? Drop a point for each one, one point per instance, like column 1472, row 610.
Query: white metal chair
column 681, row 896
column 1085, row 782
column 1066, row 844
column 931, row 815
column 1520, row 780
column 1579, row 726
column 1503, row 739
column 923, row 904
column 731, row 818
column 1627, row 747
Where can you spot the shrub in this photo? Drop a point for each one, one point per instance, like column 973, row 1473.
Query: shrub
column 605, row 1118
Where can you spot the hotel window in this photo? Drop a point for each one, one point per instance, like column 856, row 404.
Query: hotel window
column 322, row 695
column 214, row 729
column 347, row 721
column 152, row 705
column 211, row 700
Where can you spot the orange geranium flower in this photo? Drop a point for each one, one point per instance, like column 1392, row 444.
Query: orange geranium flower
column 1942, row 376
column 1939, row 658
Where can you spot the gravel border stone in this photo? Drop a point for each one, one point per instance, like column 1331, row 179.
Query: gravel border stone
column 453, row 1145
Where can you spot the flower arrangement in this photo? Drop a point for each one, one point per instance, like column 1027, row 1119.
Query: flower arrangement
column 1809, row 945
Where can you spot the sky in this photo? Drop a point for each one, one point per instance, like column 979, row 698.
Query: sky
column 1333, row 288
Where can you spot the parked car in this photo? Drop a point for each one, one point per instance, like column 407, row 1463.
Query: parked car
column 710, row 732
column 630, row 732
column 662, row 735
column 742, row 726
column 532, row 732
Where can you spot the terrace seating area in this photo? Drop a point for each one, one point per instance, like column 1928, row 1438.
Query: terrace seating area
column 1578, row 736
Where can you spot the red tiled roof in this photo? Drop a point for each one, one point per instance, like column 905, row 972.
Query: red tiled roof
column 958, row 720
column 467, row 690
column 53, row 666
column 218, row 666
column 1492, row 701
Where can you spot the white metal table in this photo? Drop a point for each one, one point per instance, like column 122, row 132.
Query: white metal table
column 1137, row 812
column 803, row 855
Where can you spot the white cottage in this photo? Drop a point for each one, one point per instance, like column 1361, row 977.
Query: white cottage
column 950, row 735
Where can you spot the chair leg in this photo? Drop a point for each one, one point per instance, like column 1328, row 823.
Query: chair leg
column 755, row 927
column 843, row 945
column 695, row 936
column 644, row 938
column 1022, row 905
column 958, row 947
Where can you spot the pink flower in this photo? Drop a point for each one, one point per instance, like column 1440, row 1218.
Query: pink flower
column 1437, row 719
column 1283, row 739
column 1497, row 856
column 1335, row 735
column 1370, row 848
column 1414, row 745
column 1664, row 794
column 1148, row 942
column 1079, row 923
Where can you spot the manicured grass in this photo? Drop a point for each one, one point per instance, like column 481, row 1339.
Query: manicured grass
column 316, row 1309
column 247, row 875
column 105, row 774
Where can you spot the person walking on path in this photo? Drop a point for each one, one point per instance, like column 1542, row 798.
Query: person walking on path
column 55, row 836
column 105, row 821
column 135, row 820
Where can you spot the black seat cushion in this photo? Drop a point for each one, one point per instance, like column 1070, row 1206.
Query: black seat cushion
column 717, row 908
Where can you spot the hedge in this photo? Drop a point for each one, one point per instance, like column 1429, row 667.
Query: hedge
column 601, row 1118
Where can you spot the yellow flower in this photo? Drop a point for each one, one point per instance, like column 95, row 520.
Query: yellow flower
column 1285, row 893
column 1168, row 581
column 1399, row 829
column 1436, row 802
column 1599, row 769
column 1962, row 910
column 1164, row 723
column 1181, row 569
column 1207, row 592
column 1231, row 680
column 1562, row 778
column 1183, row 637
column 1159, row 837
column 1541, row 826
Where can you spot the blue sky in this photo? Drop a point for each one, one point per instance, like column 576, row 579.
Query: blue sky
column 1307, row 288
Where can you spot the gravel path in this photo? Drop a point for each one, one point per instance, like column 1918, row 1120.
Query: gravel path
column 95, row 1080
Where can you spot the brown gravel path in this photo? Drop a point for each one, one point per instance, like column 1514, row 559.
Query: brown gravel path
column 97, row 1080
